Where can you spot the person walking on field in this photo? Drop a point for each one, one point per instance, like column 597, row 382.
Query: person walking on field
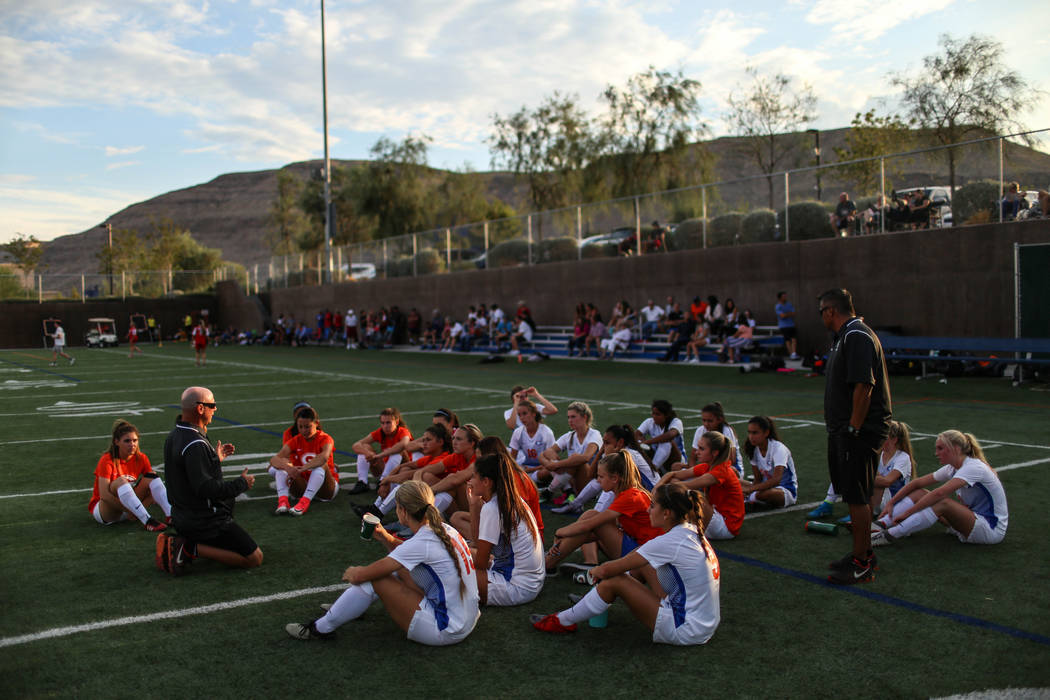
column 59, row 345
column 200, row 343
column 857, row 414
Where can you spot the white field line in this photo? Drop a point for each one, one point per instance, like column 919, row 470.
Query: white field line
column 56, row 632
column 176, row 389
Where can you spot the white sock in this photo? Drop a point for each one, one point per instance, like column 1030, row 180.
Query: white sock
column 913, row 523
column 160, row 495
column 362, row 469
column 388, row 503
column 832, row 497
column 535, row 476
column 316, row 481
column 281, row 478
column 442, row 501
column 561, row 479
column 127, row 496
column 605, row 500
column 589, row 606
column 392, row 463
column 349, row 606
column 589, row 491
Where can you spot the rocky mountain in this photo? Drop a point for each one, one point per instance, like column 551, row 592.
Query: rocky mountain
column 231, row 212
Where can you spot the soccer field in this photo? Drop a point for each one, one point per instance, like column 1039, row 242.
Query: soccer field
column 86, row 614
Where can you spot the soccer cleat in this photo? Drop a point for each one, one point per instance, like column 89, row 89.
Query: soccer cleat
column 561, row 499
column 583, row 578
column 283, row 505
column 306, row 632
column 821, row 511
column 576, row 567
column 574, row 599
column 326, row 606
column 848, row 520
column 154, row 525
column 845, row 561
column 882, row 538
column 550, row 624
column 856, row 571
column 301, row 507
column 161, row 559
column 178, row 555
column 359, row 487
column 571, row 507
column 361, row 511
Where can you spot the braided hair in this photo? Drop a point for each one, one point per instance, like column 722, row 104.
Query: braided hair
column 418, row 501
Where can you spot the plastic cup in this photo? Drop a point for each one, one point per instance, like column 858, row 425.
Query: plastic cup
column 368, row 526
column 600, row 621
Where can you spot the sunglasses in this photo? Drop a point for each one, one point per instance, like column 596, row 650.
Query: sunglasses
column 212, row 406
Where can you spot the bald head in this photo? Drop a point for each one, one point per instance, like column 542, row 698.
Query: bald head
column 192, row 395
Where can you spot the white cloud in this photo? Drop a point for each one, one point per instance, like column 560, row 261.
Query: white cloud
column 867, row 20
column 123, row 164
column 122, row 151
column 48, row 213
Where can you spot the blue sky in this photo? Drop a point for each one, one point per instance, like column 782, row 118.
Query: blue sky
column 107, row 103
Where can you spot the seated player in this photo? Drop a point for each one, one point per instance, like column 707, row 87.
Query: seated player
column 392, row 436
column 436, row 445
column 776, row 481
column 305, row 467
column 125, row 483
column 714, row 474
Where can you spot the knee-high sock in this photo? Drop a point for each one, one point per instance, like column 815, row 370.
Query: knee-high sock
column 160, row 495
column 362, row 469
column 315, row 482
column 281, row 479
column 913, row 523
column 604, row 500
column 392, row 463
column 589, row 491
column 535, row 476
column 561, row 480
column 663, row 451
column 442, row 501
column 127, row 496
column 349, row 606
column 832, row 497
column 385, row 505
column 589, row 606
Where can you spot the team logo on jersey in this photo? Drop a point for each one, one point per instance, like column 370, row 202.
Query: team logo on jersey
column 72, row 409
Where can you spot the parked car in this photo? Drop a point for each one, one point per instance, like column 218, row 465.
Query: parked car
column 102, row 332
column 360, row 271
column 617, row 236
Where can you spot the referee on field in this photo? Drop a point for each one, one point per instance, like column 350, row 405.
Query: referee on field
column 857, row 414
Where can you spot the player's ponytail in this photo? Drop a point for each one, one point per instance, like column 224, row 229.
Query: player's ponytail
column 417, row 499
column 966, row 443
column 720, row 445
column 120, row 428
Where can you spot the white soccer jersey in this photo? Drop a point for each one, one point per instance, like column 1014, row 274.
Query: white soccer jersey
column 434, row 571
column 526, row 449
column 983, row 494
column 689, row 574
column 647, row 473
column 650, row 429
column 60, row 336
column 521, row 559
column 901, row 462
column 777, row 454
column 571, row 443
column 730, row 434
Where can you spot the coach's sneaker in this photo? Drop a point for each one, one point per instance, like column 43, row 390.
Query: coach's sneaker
column 283, row 505
column 301, row 507
column 154, row 525
column 550, row 624
column 306, row 632
column 161, row 559
column 179, row 556
column 882, row 538
column 856, row 571
column 821, row 511
column 844, row 562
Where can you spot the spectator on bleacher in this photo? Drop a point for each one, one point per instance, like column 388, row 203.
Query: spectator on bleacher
column 619, row 340
column 715, row 316
column 678, row 335
column 1042, row 208
column 668, row 305
column 874, row 214
column 697, row 309
column 522, row 311
column 350, row 322
column 651, row 315
column 597, row 332
column 580, row 328
column 617, row 313
column 1013, row 202
column 785, row 312
column 337, row 328
column 501, row 333
column 740, row 340
column 696, row 341
column 919, row 209
column 845, row 216
column 414, row 326
column 453, row 329
column 432, row 334
column 898, row 215
column 523, row 336
column 496, row 315
column 732, row 313
column 672, row 318
column 471, row 334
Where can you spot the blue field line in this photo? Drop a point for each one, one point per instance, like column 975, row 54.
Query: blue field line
column 890, row 600
column 41, row 369
column 264, row 431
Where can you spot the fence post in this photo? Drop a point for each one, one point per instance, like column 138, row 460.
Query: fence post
column 882, row 191
column 528, row 222
column 485, row 230
column 703, row 213
column 338, row 263
column 448, row 249
column 40, row 289
column 637, row 226
column 1001, row 191
column 123, row 288
column 787, row 204
column 83, row 299
column 415, row 250
column 579, row 233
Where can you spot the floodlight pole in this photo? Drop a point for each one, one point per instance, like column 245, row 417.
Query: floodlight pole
column 327, row 162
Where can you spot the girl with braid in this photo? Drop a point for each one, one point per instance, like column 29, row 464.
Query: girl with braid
column 426, row 583
column 679, row 599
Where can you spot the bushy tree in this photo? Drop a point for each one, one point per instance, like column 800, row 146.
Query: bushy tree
column 870, row 136
column 26, row 252
column 287, row 221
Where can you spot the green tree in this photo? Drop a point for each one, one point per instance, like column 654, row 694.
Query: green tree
column 11, row 281
column 767, row 114
column 394, row 188
column 871, row 136
column 26, row 252
column 647, row 129
column 287, row 221
column 964, row 91
column 349, row 226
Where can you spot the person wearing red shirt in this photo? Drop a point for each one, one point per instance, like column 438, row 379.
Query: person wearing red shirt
column 436, row 445
column 618, row 529
column 448, row 477
column 200, row 343
column 305, row 467
column 125, row 483
column 392, row 436
column 133, row 340
column 723, row 509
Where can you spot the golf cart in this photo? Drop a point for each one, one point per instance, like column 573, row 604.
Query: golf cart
column 102, row 332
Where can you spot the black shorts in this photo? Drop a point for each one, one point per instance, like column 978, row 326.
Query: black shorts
column 852, row 464
column 789, row 332
column 231, row 537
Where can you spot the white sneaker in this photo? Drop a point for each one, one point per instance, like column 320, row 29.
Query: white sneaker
column 881, row 539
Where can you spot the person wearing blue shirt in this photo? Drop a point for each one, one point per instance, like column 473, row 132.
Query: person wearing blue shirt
column 786, row 323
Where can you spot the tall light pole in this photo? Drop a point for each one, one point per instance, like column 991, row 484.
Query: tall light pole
column 327, row 162
column 816, row 152
column 109, row 254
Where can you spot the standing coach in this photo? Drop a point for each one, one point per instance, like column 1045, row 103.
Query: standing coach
column 857, row 412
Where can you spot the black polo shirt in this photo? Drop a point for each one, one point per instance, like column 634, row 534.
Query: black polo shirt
column 856, row 358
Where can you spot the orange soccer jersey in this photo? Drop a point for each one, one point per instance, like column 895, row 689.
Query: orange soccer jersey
column 110, row 468
column 633, row 506
column 726, row 496
column 455, row 463
column 393, row 438
column 304, row 450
